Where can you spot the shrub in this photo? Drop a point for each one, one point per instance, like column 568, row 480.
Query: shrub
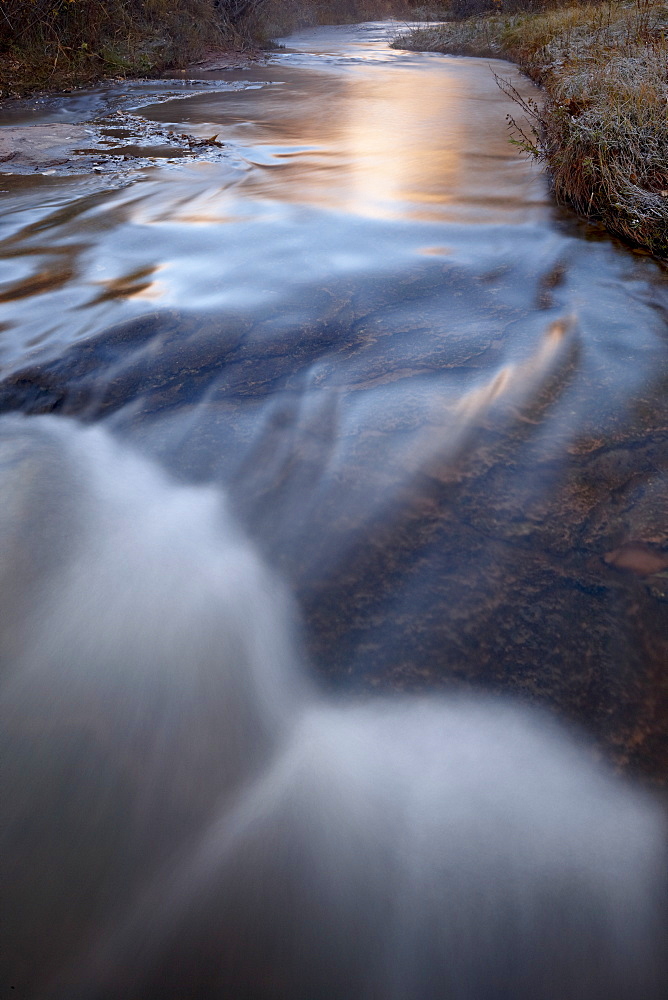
column 50, row 41
column 57, row 42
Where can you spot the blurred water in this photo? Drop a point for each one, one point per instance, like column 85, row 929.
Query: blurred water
column 184, row 816
column 438, row 407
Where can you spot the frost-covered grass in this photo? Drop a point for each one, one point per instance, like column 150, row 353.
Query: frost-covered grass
column 603, row 129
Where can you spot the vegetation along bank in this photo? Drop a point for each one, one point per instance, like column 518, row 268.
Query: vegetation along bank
column 56, row 44
column 603, row 128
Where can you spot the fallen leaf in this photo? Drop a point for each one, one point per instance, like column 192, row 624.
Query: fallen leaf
column 639, row 558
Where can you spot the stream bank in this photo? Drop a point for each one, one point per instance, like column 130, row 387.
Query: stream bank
column 57, row 45
column 602, row 130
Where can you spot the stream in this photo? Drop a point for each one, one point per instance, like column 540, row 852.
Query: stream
column 436, row 403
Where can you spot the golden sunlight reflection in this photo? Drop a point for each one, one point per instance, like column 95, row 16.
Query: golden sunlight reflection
column 139, row 284
column 415, row 143
column 514, row 390
column 519, row 379
column 477, row 401
column 382, row 173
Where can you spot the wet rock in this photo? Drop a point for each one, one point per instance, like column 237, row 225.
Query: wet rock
column 39, row 146
column 95, row 147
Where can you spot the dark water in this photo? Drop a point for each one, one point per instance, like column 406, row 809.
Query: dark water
column 438, row 406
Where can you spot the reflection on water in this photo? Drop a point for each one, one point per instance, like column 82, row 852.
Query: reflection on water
column 404, row 141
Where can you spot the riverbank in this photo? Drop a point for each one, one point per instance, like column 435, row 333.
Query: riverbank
column 603, row 129
column 56, row 45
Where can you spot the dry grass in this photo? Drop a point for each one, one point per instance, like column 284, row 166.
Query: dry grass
column 55, row 43
column 603, row 129
column 51, row 44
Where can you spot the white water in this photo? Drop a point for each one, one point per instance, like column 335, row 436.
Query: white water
column 184, row 816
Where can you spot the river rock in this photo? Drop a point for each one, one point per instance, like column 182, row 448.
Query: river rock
column 39, row 147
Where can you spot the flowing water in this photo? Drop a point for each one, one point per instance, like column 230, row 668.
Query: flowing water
column 438, row 405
